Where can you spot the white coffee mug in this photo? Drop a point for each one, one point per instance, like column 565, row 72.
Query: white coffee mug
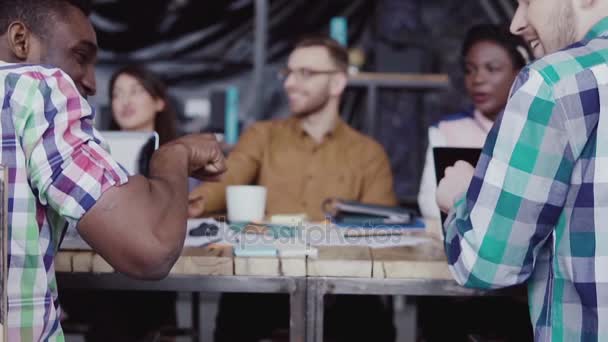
column 246, row 203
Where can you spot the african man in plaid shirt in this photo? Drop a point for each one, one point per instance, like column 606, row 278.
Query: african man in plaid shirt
column 536, row 208
column 60, row 174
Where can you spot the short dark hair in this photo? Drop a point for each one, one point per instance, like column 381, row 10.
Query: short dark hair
column 37, row 14
column 336, row 51
column 165, row 122
column 517, row 48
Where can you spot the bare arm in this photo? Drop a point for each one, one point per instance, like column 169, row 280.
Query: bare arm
column 139, row 228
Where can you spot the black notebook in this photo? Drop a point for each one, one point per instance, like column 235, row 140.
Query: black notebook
column 357, row 213
column 445, row 157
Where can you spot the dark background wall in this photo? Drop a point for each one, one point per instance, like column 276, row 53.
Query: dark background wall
column 200, row 46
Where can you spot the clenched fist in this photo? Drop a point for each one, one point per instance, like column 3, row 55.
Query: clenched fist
column 454, row 184
column 205, row 157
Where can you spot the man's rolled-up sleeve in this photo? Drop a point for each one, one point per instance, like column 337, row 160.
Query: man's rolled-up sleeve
column 516, row 197
column 69, row 167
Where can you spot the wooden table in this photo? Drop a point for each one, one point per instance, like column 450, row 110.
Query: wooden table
column 420, row 270
column 210, row 270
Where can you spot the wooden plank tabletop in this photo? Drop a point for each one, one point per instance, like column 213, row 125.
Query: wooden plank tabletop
column 342, row 261
column 257, row 266
column 426, row 261
column 212, row 260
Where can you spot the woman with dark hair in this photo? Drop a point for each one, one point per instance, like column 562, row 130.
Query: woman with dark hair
column 139, row 102
column 491, row 59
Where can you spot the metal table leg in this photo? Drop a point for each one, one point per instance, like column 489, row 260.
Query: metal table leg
column 297, row 308
column 196, row 312
column 311, row 313
column 319, row 298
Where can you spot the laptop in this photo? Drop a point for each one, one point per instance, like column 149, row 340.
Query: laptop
column 132, row 150
column 445, row 157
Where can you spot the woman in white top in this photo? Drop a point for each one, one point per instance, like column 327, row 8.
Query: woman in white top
column 492, row 58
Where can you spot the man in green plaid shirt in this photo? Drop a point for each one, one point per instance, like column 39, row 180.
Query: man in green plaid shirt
column 536, row 208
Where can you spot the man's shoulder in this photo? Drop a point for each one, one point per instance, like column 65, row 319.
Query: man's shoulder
column 573, row 60
column 270, row 124
column 267, row 127
column 361, row 141
column 263, row 131
column 31, row 71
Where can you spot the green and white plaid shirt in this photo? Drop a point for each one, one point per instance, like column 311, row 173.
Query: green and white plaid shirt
column 537, row 207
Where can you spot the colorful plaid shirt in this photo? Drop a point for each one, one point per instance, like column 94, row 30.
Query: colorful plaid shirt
column 57, row 169
column 537, row 207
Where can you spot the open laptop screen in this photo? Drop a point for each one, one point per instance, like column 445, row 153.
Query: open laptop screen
column 132, row 150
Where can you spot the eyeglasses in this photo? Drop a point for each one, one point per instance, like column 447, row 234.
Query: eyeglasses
column 303, row 74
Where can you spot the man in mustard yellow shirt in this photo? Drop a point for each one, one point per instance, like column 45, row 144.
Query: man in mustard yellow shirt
column 302, row 160
column 313, row 154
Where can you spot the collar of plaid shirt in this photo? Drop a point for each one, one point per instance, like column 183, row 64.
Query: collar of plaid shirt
column 598, row 30
column 537, row 207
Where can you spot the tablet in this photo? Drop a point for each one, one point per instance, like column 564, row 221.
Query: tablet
column 445, row 157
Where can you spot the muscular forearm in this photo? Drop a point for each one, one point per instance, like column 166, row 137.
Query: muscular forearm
column 140, row 227
column 169, row 196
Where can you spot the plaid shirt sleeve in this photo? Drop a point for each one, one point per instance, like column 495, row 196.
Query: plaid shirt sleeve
column 68, row 166
column 494, row 233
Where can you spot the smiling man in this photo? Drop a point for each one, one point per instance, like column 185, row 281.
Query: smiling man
column 536, row 208
column 60, row 174
column 311, row 155
column 302, row 160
